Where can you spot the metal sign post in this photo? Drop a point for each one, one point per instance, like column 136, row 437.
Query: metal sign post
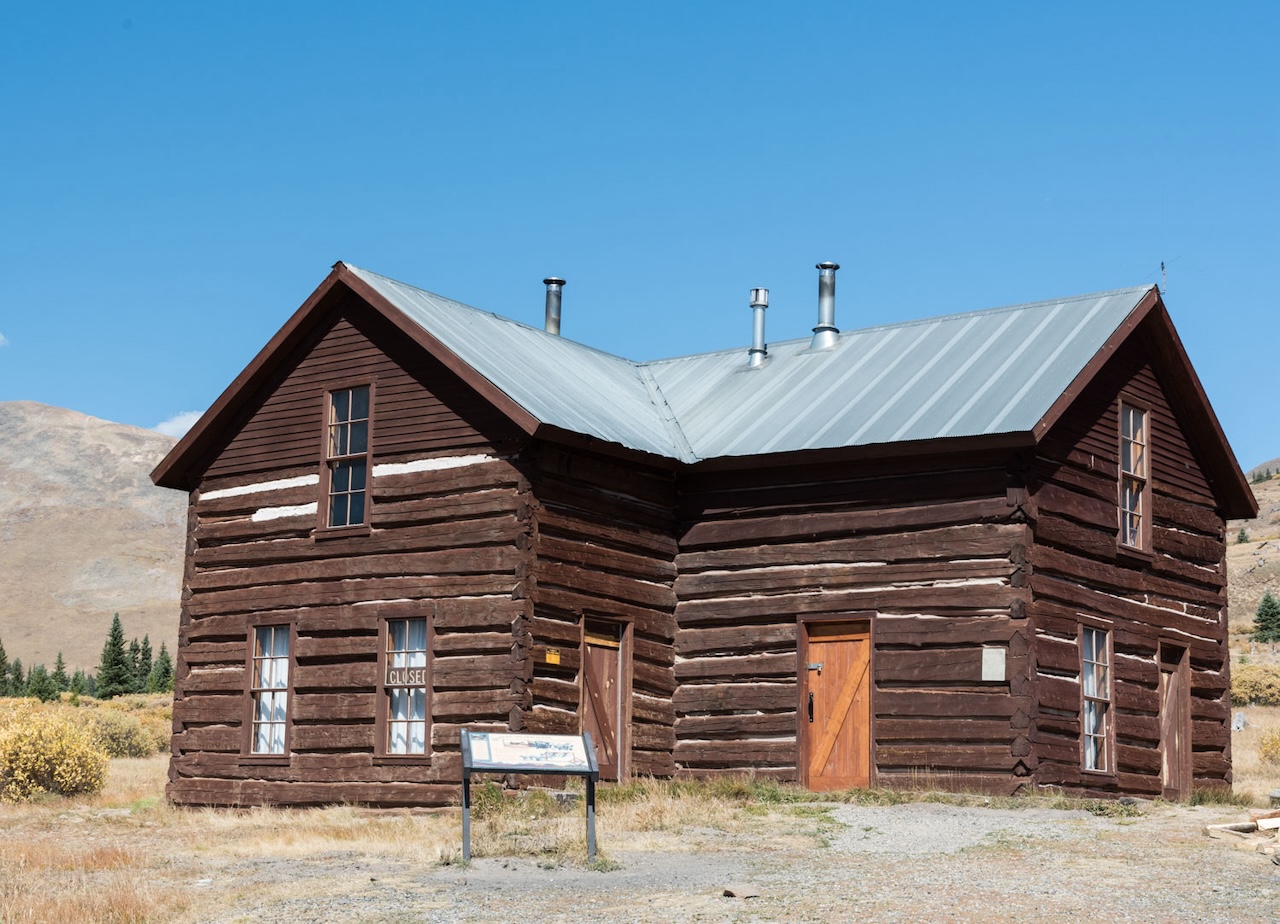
column 500, row 752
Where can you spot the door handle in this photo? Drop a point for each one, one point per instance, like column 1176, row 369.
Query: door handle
column 810, row 707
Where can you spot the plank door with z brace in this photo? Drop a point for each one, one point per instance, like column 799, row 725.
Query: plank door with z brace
column 1175, row 722
column 603, row 712
column 835, row 705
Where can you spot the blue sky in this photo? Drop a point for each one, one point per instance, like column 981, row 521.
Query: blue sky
column 175, row 179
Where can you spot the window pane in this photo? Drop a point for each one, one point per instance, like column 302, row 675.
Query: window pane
column 418, row 704
column 262, row 740
column 358, row 471
column 341, row 406
column 359, row 403
column 341, row 477
column 418, row 738
column 338, row 510
column 356, row 510
column 281, row 649
column 396, row 633
column 358, row 440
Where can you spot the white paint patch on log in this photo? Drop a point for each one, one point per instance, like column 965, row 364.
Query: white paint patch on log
column 300, row 482
column 279, row 513
column 430, row 465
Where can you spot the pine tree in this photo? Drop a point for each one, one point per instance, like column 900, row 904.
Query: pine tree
column 17, row 679
column 4, row 672
column 59, row 675
column 115, row 672
column 1266, row 620
column 40, row 684
column 79, row 683
column 1242, row 537
column 144, row 665
column 161, row 677
column 135, row 656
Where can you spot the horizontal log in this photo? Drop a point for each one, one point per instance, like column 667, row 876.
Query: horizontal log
column 498, row 529
column 917, row 631
column 214, row 680
column 332, row 707
column 981, row 540
column 482, row 560
column 812, row 526
column 744, row 725
column 930, row 665
column 233, row 793
column 943, row 731
column 652, row 763
column 653, row 737
column 692, row 642
column 332, row 647
column 966, row 599
column 330, row 593
column 605, row 531
column 944, row 704
column 761, row 752
column 738, row 667
column 543, row 721
column 827, row 578
column 460, row 507
column 358, row 768
column 207, row 709
column 584, row 553
column 980, row 757
column 324, row 677
column 654, row 709
column 328, row 737
column 734, row 697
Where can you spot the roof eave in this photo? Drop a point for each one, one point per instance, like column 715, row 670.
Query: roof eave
column 1236, row 500
column 176, row 470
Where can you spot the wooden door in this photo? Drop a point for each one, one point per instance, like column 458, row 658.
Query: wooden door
column 835, row 705
column 603, row 694
column 1175, row 722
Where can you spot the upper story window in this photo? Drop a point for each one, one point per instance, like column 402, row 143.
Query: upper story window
column 1095, row 681
column 1134, row 477
column 269, row 689
column 347, row 456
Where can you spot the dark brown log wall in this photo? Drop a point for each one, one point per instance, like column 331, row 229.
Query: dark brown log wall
column 1176, row 593
column 932, row 550
column 605, row 548
column 450, row 544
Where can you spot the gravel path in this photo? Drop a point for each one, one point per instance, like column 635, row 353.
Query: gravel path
column 909, row 863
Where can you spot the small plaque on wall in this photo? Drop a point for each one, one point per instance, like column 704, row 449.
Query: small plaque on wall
column 993, row 665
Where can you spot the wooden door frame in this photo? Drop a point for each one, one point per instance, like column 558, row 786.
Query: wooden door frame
column 1183, row 672
column 803, row 622
column 625, row 671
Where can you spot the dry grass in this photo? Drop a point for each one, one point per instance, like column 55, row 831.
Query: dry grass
column 126, row 855
column 1254, row 778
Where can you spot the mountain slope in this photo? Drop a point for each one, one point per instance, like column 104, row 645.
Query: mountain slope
column 84, row 534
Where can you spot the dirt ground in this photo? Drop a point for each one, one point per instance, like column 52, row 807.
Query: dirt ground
column 807, row 862
column 907, row 863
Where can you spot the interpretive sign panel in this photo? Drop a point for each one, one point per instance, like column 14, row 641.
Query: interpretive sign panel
column 503, row 752
column 529, row 753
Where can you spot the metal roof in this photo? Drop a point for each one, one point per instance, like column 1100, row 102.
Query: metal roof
column 996, row 371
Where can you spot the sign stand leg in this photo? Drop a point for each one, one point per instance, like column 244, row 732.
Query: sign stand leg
column 591, row 818
column 466, row 817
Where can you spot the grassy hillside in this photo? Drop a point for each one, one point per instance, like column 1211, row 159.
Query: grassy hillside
column 84, row 535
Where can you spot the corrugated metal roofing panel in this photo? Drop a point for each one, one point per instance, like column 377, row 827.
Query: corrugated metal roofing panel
column 996, row 371
column 562, row 383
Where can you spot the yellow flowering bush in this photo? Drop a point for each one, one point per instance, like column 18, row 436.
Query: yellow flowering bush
column 1255, row 684
column 43, row 751
column 1269, row 747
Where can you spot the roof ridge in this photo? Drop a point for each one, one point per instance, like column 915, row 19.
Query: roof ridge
column 915, row 322
column 493, row 314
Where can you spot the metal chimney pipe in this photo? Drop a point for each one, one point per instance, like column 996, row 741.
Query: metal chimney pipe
column 759, row 349
column 826, row 334
column 554, row 284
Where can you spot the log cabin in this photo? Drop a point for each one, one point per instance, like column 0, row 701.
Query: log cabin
column 980, row 551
